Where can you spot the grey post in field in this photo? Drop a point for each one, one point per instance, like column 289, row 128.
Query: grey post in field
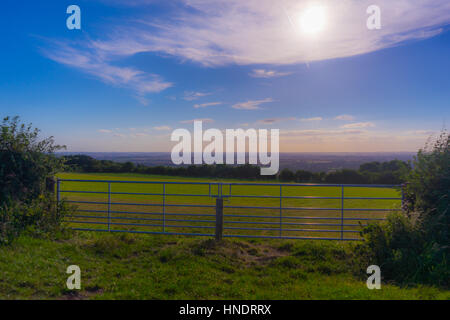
column 219, row 218
column 50, row 183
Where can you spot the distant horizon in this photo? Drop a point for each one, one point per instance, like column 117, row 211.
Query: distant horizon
column 310, row 161
column 281, row 152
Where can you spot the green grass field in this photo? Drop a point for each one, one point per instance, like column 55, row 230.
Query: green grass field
column 147, row 213
column 141, row 266
column 153, row 266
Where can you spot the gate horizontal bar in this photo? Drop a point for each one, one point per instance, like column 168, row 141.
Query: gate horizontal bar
column 285, row 221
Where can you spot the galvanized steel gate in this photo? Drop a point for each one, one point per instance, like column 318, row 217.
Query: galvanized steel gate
column 254, row 210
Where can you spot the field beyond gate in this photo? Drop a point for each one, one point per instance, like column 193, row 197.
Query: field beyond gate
column 272, row 210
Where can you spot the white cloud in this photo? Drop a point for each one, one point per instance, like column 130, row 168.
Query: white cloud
column 223, row 32
column 358, row 125
column 311, row 119
column 119, row 135
column 95, row 63
column 104, row 131
column 161, row 128
column 192, row 95
column 205, row 105
column 422, row 132
column 322, row 132
column 349, row 140
column 345, row 117
column 251, row 104
column 268, row 121
column 261, row 73
column 218, row 32
column 205, row 120
column 274, row 120
column 142, row 100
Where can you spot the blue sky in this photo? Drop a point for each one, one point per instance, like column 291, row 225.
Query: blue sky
column 139, row 69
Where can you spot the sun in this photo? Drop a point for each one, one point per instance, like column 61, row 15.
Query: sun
column 313, row 20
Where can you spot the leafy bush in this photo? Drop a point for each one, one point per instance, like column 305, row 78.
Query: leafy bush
column 25, row 162
column 428, row 190
column 40, row 216
column 413, row 246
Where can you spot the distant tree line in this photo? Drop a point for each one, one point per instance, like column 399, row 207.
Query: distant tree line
column 392, row 172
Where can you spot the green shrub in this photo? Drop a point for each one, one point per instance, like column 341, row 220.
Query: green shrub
column 39, row 217
column 25, row 161
column 428, row 190
column 25, row 164
column 404, row 255
column 413, row 246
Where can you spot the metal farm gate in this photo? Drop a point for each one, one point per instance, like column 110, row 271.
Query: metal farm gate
column 253, row 210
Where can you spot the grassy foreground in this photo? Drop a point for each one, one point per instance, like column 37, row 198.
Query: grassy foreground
column 129, row 266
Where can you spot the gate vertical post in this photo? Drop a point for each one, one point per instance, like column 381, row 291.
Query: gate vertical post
column 403, row 196
column 109, row 206
column 281, row 211
column 219, row 214
column 164, row 207
column 342, row 212
column 58, row 183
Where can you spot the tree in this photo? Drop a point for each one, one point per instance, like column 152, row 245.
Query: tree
column 370, row 167
column 128, row 167
column 413, row 245
column 345, row 176
column 25, row 161
column 303, row 176
column 287, row 175
column 428, row 189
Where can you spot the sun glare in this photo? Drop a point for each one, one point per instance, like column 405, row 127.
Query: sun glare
column 313, row 20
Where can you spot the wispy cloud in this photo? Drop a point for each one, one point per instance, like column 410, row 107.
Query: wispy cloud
column 322, row 132
column 251, row 104
column 268, row 121
column 311, row 119
column 275, row 120
column 205, row 120
column 161, row 128
column 208, row 104
column 262, row 73
column 119, row 135
column 345, row 117
column 104, row 131
column 422, row 132
column 192, row 95
column 219, row 32
column 95, row 63
column 130, row 133
column 224, row 32
column 358, row 125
